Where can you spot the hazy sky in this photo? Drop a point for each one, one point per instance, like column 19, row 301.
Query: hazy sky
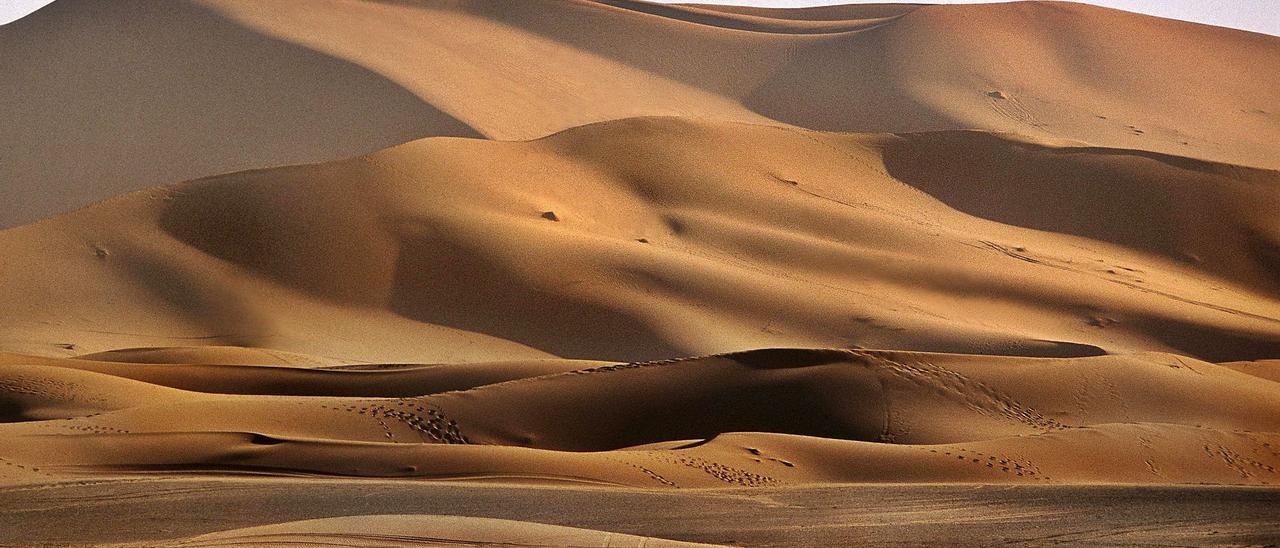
column 14, row 9
column 1255, row 15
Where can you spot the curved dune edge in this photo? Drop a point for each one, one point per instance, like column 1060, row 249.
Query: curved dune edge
column 743, row 21
column 1263, row 369
column 748, row 419
column 417, row 530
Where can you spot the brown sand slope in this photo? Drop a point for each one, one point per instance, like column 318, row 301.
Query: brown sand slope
column 212, row 86
column 769, row 417
column 658, row 238
column 1266, row 369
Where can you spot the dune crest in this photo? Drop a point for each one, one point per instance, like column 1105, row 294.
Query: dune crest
column 381, row 73
column 416, row 530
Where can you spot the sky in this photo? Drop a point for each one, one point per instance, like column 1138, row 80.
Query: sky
column 15, row 9
column 1255, row 15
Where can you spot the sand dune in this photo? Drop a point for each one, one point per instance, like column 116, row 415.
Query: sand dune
column 768, row 417
column 1266, row 369
column 419, row 530
column 620, row 244
column 660, row 238
column 212, row 86
column 382, row 380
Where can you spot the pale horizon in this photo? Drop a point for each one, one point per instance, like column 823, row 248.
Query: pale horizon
column 1260, row 16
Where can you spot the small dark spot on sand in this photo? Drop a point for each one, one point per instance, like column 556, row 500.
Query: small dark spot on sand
column 259, row 439
column 1101, row 321
column 550, row 216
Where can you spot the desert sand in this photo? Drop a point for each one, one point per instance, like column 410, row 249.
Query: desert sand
column 621, row 248
column 205, row 87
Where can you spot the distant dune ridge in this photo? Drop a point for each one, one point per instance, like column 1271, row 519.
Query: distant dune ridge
column 212, row 86
column 617, row 243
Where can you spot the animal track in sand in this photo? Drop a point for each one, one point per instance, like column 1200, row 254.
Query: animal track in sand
column 427, row 420
column 1247, row 467
column 1132, row 283
column 42, row 387
column 22, row 467
column 88, row 428
column 1002, row 464
column 1013, row 109
column 644, row 470
column 722, row 472
column 974, row 394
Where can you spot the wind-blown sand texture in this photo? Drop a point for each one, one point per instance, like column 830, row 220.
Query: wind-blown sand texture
column 622, row 245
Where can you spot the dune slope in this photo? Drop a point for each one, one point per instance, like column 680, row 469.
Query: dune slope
column 418, row 530
column 203, row 87
column 659, row 238
column 760, row 418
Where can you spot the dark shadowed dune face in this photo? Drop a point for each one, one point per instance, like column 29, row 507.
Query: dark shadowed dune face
column 1165, row 205
column 103, row 99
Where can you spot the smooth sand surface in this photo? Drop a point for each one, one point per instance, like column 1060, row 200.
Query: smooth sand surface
column 1011, row 256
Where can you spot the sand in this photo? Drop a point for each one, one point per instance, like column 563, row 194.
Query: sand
column 749, row 419
column 418, row 530
column 153, row 511
column 81, row 73
column 671, row 238
column 1012, row 244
